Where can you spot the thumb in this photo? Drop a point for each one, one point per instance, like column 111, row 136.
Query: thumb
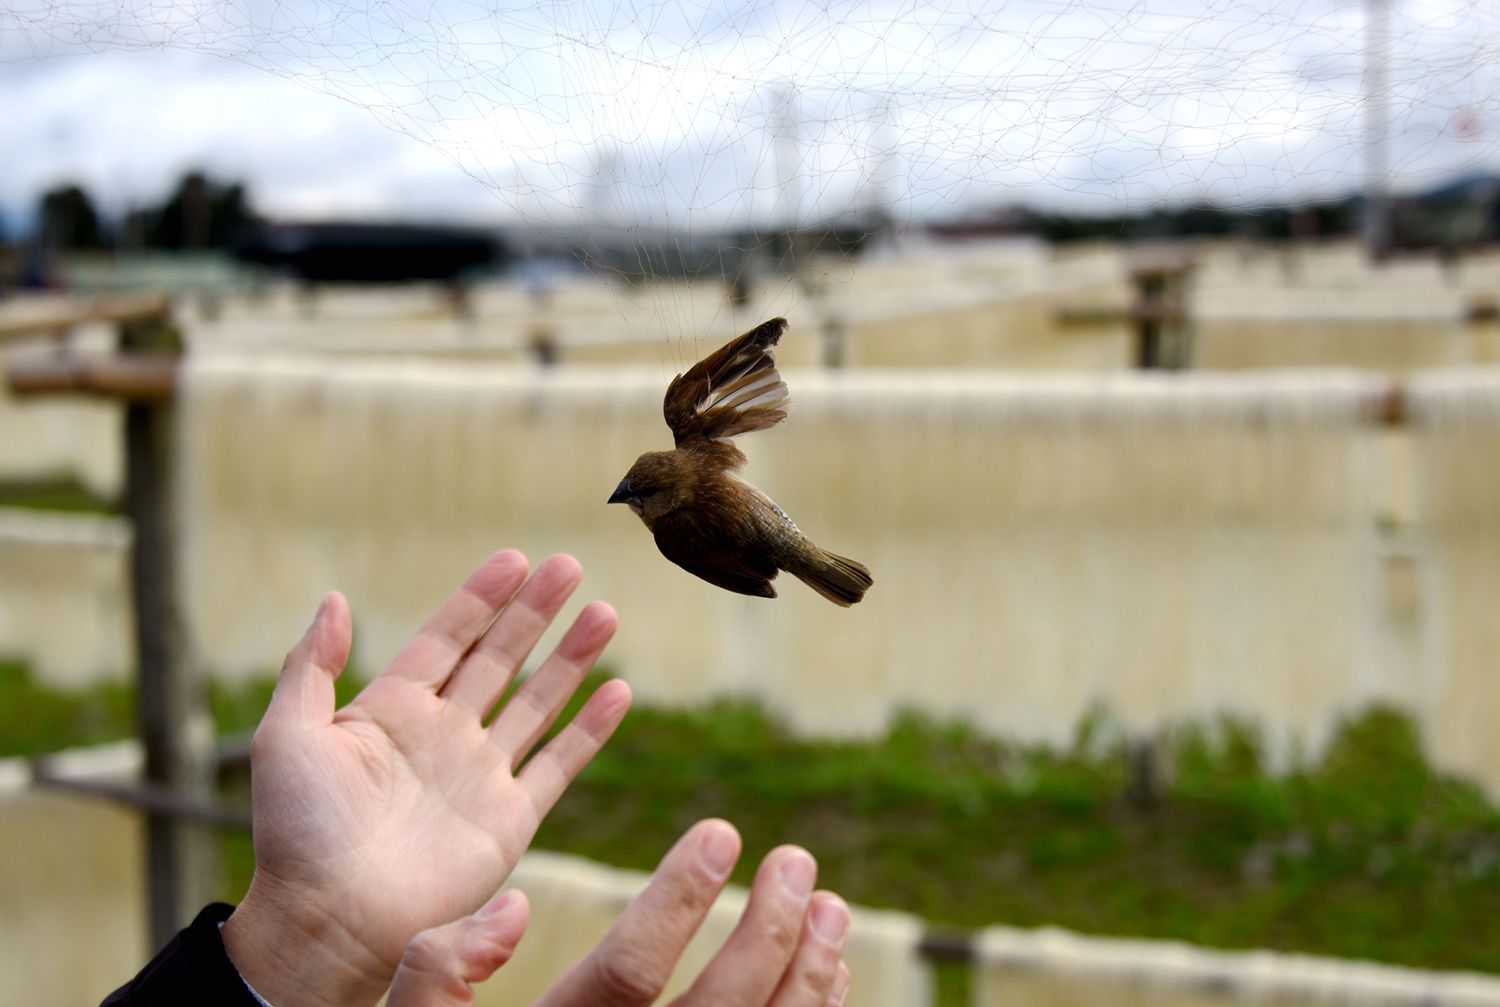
column 441, row 963
column 304, row 692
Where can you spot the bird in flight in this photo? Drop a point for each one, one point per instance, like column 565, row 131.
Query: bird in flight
column 704, row 516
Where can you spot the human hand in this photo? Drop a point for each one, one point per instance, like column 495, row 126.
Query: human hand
column 785, row 952
column 403, row 810
column 442, row 963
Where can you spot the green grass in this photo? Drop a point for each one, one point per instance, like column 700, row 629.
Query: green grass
column 1366, row 852
column 1363, row 852
column 37, row 718
column 66, row 495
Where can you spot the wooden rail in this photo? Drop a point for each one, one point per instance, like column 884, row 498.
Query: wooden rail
column 232, row 755
column 146, row 378
column 1151, row 312
column 140, row 378
column 60, row 318
column 150, row 797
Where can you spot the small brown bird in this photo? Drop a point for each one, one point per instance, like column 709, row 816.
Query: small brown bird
column 705, row 518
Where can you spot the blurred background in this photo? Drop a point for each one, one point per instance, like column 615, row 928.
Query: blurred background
column 1148, row 353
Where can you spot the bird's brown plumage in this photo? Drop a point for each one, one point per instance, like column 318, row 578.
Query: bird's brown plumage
column 706, row 519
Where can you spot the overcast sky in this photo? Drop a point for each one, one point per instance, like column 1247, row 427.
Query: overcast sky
column 695, row 115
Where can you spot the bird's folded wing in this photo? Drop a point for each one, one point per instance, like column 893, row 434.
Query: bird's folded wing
column 734, row 390
column 683, row 541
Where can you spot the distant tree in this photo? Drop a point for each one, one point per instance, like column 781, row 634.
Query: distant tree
column 66, row 219
column 200, row 213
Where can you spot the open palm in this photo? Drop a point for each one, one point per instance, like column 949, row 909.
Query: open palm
column 404, row 809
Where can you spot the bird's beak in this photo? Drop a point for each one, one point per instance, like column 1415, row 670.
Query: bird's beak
column 622, row 493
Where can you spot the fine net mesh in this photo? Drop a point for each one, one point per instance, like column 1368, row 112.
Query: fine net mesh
column 669, row 122
column 1230, row 525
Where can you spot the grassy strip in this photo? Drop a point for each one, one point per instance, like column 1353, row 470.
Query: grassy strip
column 1364, row 852
column 68, row 495
column 36, row 718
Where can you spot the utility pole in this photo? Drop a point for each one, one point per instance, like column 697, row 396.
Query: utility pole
column 1376, row 225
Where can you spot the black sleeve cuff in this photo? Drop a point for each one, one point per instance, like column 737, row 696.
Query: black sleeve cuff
column 192, row 969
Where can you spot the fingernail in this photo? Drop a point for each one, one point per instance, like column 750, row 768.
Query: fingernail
column 719, row 852
column 495, row 905
column 798, row 873
column 830, row 920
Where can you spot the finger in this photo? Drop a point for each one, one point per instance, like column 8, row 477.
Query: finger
column 751, row 964
column 840, row 987
column 434, row 652
column 548, row 774
column 499, row 654
column 304, row 692
column 633, row 962
column 810, row 980
column 525, row 718
column 440, row 964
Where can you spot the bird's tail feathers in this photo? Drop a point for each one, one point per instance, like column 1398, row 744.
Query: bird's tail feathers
column 841, row 580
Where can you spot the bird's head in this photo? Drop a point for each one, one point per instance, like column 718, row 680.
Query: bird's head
column 658, row 483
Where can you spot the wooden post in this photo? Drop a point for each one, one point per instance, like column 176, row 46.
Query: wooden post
column 1148, row 348
column 1158, row 315
column 1483, row 316
column 835, row 339
column 543, row 346
column 1162, row 339
column 172, row 713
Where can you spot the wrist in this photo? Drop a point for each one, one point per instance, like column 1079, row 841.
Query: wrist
column 296, row 954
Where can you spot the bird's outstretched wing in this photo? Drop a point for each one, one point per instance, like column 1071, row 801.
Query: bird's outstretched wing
column 733, row 390
column 684, row 540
